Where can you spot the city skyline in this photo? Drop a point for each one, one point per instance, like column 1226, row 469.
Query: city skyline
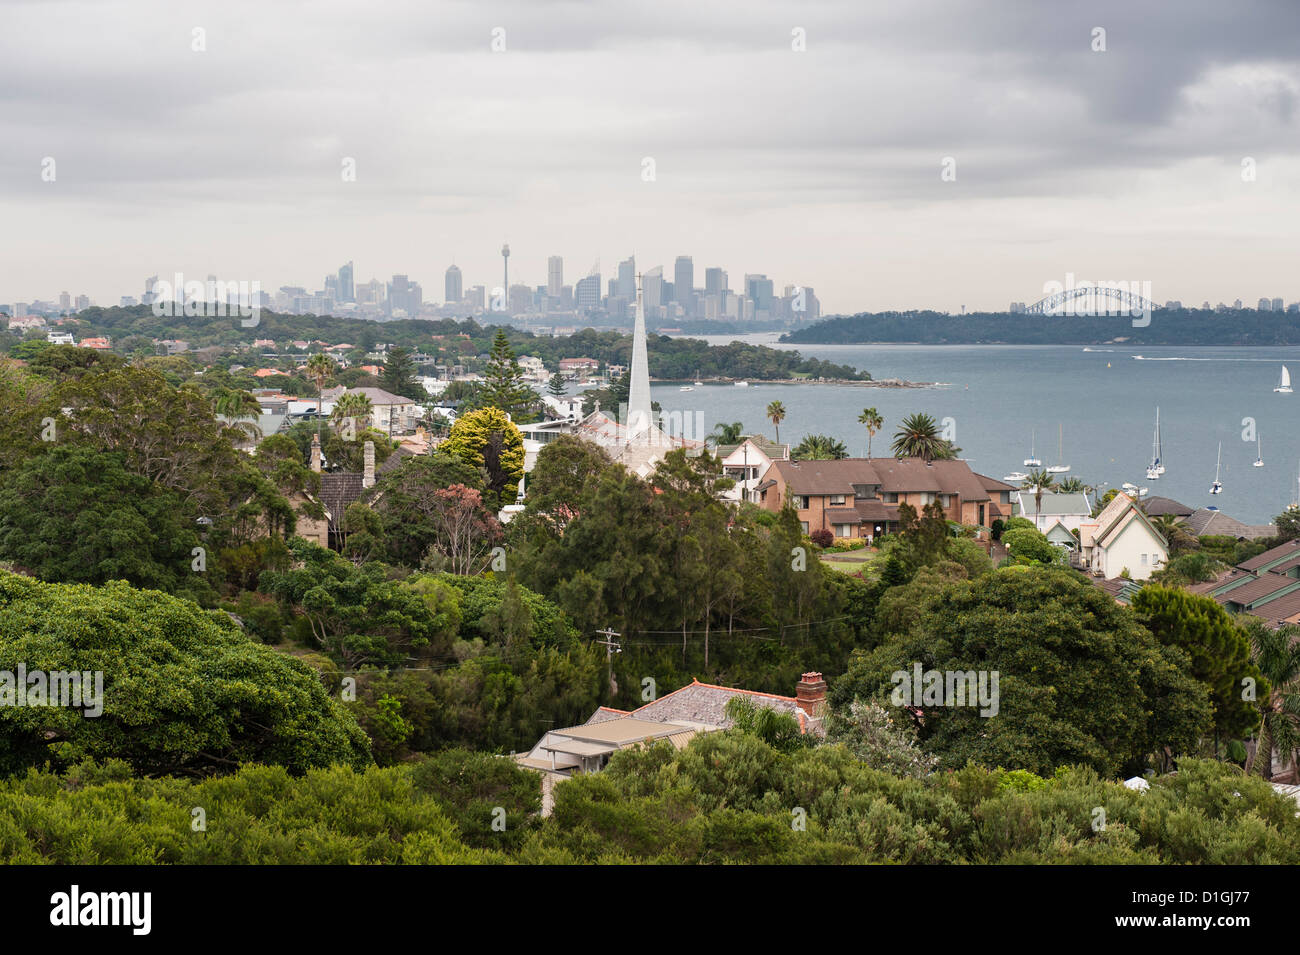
column 903, row 159
column 618, row 278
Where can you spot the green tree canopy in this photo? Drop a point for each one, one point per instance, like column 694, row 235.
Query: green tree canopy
column 487, row 439
column 1219, row 650
column 184, row 691
column 1080, row 680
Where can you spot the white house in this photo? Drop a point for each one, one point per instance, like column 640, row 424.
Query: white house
column 1122, row 538
column 747, row 463
column 389, row 413
column 533, row 368
column 1071, row 511
column 60, row 338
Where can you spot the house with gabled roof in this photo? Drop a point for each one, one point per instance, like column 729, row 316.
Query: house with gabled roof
column 1069, row 510
column 860, row 497
column 1266, row 586
column 747, row 463
column 1122, row 538
column 1206, row 521
column 676, row 717
column 390, row 413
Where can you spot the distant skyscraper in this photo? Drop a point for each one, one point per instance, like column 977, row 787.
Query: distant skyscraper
column 554, row 276
column 1265, row 305
column 405, row 295
column 715, row 281
column 758, row 288
column 477, row 297
column 627, row 278
column 683, row 279
column 587, row 293
column 1277, row 305
column 453, row 288
column 347, row 291
column 65, row 301
column 651, row 289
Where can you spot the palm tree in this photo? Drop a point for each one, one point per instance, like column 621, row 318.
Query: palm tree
column 319, row 368
column 1072, row 485
column 240, row 406
column 1277, row 655
column 355, row 405
column 919, row 438
column 873, row 421
column 724, row 433
column 1040, row 481
column 819, row 447
column 776, row 414
column 1176, row 535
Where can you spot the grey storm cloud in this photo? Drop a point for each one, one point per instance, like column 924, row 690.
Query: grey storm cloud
column 734, row 119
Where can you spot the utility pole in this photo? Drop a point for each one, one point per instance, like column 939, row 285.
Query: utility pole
column 612, row 647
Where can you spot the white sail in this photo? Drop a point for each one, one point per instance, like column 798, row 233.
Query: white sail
column 1284, row 383
column 1032, row 461
column 1058, row 467
column 1156, row 467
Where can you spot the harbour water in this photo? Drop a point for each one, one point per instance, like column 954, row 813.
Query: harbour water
column 1103, row 398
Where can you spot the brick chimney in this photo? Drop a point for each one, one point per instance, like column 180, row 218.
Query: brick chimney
column 368, row 473
column 315, row 453
column 810, row 693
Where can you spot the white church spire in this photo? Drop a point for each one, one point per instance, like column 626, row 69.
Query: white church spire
column 638, row 399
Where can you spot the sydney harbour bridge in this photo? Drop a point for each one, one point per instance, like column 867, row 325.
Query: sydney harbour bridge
column 1092, row 300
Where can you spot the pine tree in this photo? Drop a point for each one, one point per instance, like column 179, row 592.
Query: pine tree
column 505, row 387
column 399, row 373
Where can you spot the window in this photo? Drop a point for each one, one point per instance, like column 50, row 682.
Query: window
column 890, row 497
column 1144, row 560
column 843, row 530
column 801, row 502
column 804, row 526
column 837, row 500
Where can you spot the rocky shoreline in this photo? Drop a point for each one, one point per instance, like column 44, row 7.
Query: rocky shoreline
column 873, row 383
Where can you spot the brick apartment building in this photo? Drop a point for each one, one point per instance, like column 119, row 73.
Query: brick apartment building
column 859, row 497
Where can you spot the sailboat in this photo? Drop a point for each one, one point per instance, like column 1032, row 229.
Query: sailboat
column 1058, row 467
column 1032, row 461
column 1259, row 451
column 1217, row 486
column 1284, row 383
column 1156, row 467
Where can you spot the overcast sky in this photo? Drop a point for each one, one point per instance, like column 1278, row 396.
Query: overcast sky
column 819, row 167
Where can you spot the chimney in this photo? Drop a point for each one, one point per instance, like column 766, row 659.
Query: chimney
column 368, row 475
column 315, row 453
column 810, row 694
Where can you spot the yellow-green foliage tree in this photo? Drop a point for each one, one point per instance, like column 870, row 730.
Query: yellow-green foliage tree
column 487, row 439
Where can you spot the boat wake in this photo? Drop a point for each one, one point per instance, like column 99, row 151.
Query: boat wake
column 1180, row 358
